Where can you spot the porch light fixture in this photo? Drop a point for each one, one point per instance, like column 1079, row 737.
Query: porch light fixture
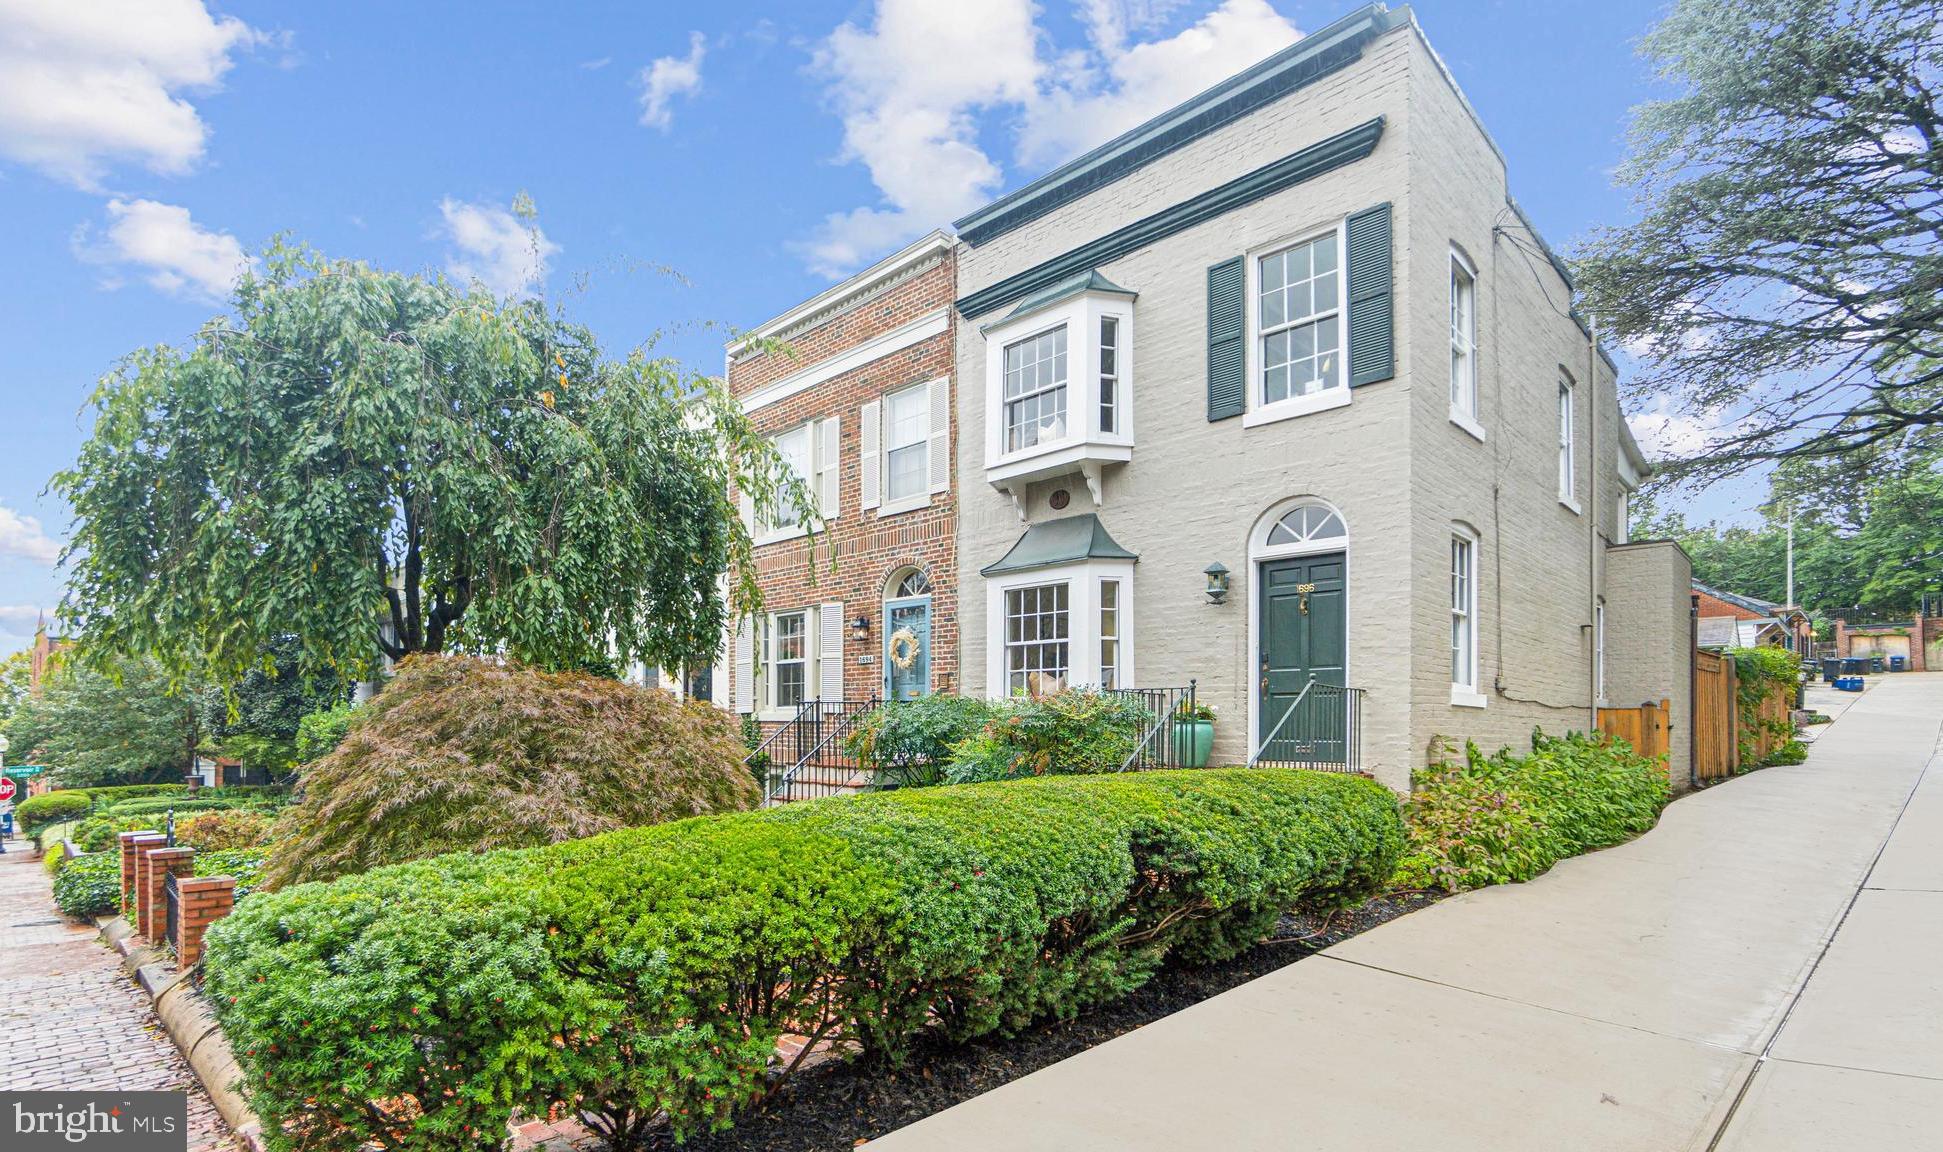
column 860, row 628
column 1217, row 574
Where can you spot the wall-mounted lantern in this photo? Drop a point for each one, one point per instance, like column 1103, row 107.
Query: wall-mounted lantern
column 860, row 629
column 1217, row 574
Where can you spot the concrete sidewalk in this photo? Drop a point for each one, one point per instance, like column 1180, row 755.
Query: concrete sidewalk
column 1647, row 997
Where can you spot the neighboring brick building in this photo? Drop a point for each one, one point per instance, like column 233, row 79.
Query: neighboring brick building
column 863, row 408
column 1918, row 640
column 1730, row 620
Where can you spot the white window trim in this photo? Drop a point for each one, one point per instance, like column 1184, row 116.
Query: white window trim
column 767, row 710
column 886, row 506
column 1599, row 649
column 1467, row 420
column 812, row 429
column 1566, row 446
column 1082, row 580
column 1119, row 628
column 1080, row 316
column 1337, row 395
column 1468, row 695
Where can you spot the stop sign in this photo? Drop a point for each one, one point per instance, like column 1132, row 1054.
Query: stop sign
column 6, row 789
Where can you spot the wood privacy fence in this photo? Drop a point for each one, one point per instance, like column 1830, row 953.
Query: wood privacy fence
column 1644, row 727
column 1714, row 748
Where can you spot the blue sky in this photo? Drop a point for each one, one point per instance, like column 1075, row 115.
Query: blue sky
column 691, row 163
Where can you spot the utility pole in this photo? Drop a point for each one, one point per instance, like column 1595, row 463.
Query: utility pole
column 1791, row 556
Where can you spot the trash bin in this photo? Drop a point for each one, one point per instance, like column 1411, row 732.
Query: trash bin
column 1875, row 664
column 1831, row 668
column 1854, row 665
column 1848, row 683
column 1896, row 663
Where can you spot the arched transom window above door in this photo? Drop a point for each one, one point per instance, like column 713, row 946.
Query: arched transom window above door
column 910, row 582
column 1305, row 526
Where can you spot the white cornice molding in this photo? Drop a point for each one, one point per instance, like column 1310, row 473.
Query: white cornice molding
column 837, row 299
column 897, row 339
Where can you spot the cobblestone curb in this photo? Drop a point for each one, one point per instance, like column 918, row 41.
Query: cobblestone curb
column 190, row 1023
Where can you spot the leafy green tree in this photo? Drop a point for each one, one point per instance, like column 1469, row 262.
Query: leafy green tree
column 15, row 673
column 124, row 723
column 1783, row 279
column 256, row 718
column 379, row 463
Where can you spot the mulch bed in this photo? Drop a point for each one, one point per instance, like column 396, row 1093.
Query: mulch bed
column 837, row 1106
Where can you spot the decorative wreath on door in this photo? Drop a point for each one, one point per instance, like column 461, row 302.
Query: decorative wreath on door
column 904, row 647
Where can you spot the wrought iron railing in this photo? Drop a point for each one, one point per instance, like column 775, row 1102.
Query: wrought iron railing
column 1322, row 728
column 1167, row 740
column 805, row 759
column 172, row 901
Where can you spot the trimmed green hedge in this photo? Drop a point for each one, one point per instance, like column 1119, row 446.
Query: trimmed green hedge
column 37, row 812
column 653, row 969
column 1503, row 818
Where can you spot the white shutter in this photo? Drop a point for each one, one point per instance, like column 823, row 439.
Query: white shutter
column 745, row 667
column 828, row 465
column 940, row 450
column 746, row 508
column 870, row 424
column 829, row 654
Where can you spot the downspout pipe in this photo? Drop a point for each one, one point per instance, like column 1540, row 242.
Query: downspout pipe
column 1592, row 523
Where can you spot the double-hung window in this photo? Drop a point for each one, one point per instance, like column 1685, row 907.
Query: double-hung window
column 1463, row 342
column 907, row 453
column 1463, row 608
column 1109, row 634
column 1037, row 628
column 1035, row 390
column 1109, row 374
column 797, row 450
column 1567, row 471
column 1298, row 304
column 789, row 658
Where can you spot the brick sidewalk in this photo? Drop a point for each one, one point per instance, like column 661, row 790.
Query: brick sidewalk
column 69, row 1019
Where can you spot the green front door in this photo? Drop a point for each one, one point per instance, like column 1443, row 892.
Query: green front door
column 1302, row 637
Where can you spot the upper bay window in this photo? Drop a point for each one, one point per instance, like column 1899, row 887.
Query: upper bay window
column 1035, row 390
column 1060, row 384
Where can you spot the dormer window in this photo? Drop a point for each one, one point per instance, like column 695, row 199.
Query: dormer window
column 1035, row 390
column 1059, row 381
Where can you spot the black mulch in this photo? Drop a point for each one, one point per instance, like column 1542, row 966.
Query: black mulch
column 837, row 1106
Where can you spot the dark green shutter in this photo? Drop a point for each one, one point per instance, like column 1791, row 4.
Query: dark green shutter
column 1227, row 379
column 1372, row 345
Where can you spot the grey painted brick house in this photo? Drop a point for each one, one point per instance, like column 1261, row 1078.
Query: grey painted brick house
column 1298, row 329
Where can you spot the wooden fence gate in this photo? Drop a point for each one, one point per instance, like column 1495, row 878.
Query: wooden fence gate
column 1714, row 746
column 1644, row 727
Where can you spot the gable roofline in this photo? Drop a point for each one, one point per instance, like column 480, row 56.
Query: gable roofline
column 1766, row 608
column 848, row 293
column 1302, row 63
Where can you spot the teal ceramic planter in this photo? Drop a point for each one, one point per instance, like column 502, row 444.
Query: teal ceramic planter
column 1193, row 742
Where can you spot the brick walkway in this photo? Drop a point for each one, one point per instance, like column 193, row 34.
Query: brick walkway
column 69, row 1019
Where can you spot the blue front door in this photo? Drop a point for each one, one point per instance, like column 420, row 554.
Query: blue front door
column 907, row 648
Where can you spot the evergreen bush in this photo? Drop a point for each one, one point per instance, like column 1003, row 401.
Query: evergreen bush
column 89, row 885
column 37, row 812
column 649, row 972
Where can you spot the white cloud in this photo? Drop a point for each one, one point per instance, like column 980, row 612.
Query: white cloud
column 495, row 247
column 668, row 77
column 176, row 254
column 911, row 106
column 101, row 81
column 1117, row 86
column 908, row 89
column 22, row 536
column 19, row 619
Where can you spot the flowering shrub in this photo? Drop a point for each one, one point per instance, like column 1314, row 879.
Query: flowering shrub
column 1501, row 819
column 644, row 976
column 222, row 830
